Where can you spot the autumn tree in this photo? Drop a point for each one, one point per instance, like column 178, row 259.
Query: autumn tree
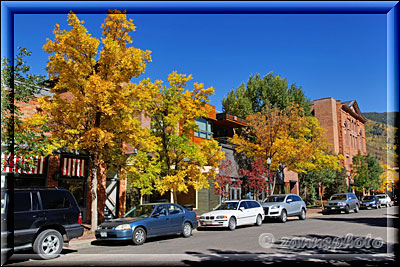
column 177, row 163
column 94, row 106
column 286, row 136
column 224, row 179
column 257, row 180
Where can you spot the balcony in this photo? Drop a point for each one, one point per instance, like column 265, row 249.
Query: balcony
column 229, row 121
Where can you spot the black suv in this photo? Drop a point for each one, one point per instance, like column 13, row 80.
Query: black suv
column 44, row 218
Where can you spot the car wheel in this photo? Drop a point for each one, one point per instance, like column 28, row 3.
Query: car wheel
column 187, row 229
column 325, row 212
column 357, row 209
column 302, row 215
column 347, row 209
column 139, row 236
column 259, row 220
column 48, row 244
column 283, row 217
column 232, row 223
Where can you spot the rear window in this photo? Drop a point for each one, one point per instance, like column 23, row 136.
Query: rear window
column 54, row 200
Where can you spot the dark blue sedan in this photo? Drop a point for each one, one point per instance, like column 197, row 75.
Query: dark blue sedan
column 149, row 220
column 370, row 202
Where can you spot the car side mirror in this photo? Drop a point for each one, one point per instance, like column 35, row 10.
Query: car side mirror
column 289, row 200
column 241, row 208
column 156, row 215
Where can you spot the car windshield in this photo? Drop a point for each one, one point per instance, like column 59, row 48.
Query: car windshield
column 368, row 198
column 275, row 199
column 338, row 197
column 141, row 211
column 381, row 196
column 227, row 206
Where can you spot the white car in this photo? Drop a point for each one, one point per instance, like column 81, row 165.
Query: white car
column 234, row 213
column 385, row 200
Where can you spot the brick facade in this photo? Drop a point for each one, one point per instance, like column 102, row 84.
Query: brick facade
column 344, row 124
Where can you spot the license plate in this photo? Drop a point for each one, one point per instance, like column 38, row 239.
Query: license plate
column 103, row 234
column 333, row 208
column 207, row 223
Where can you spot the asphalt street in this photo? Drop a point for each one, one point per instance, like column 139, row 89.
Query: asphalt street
column 369, row 236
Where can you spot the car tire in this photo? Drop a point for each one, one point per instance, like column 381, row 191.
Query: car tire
column 139, row 236
column 347, row 209
column 187, row 230
column 325, row 212
column 232, row 223
column 48, row 244
column 259, row 220
column 283, row 217
column 303, row 214
column 357, row 209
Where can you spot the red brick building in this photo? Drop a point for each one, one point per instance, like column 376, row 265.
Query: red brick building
column 344, row 124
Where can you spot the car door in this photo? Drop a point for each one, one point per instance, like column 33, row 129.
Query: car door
column 176, row 217
column 253, row 211
column 297, row 204
column 290, row 205
column 159, row 221
column 243, row 213
column 28, row 216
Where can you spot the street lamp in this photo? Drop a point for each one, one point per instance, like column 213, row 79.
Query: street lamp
column 392, row 189
column 269, row 170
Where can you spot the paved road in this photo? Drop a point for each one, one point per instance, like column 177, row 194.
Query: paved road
column 367, row 236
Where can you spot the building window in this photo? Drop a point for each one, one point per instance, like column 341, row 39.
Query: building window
column 346, row 138
column 205, row 130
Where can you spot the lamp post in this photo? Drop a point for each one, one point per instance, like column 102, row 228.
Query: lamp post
column 269, row 171
column 392, row 189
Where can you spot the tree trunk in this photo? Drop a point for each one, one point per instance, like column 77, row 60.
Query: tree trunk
column 273, row 186
column 93, row 192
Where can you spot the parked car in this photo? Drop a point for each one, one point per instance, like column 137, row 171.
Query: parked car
column 370, row 202
column 149, row 220
column 342, row 202
column 234, row 213
column 44, row 220
column 385, row 199
column 283, row 206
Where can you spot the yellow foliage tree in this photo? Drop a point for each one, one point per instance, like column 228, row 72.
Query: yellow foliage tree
column 94, row 106
column 289, row 137
column 177, row 163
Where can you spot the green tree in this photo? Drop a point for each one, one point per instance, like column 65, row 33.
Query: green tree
column 259, row 92
column 366, row 172
column 19, row 86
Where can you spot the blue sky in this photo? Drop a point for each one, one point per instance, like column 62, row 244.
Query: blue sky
column 339, row 56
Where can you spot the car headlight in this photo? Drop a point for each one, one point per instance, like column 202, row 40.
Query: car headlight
column 221, row 217
column 99, row 227
column 123, row 227
column 275, row 207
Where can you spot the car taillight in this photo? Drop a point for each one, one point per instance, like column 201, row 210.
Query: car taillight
column 80, row 218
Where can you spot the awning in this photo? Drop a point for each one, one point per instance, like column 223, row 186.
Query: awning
column 11, row 164
column 73, row 167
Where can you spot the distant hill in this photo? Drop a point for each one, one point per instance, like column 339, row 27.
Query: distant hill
column 390, row 118
column 381, row 131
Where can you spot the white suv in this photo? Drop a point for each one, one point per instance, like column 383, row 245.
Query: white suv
column 385, row 200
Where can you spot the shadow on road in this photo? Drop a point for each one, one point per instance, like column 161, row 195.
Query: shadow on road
column 26, row 255
column 372, row 221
